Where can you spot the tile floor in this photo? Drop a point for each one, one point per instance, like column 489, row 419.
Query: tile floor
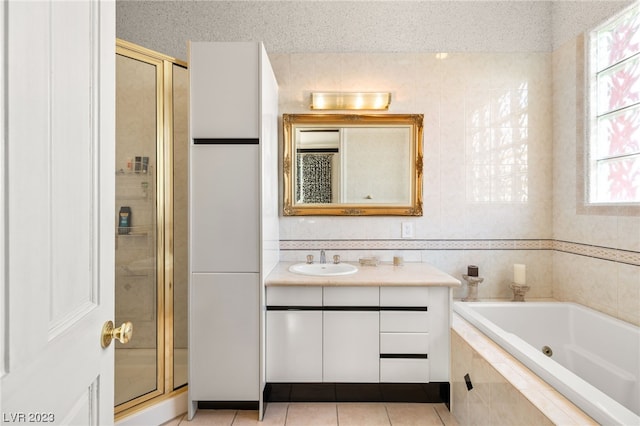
column 326, row 414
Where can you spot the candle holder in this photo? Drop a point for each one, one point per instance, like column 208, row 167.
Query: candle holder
column 519, row 291
column 472, row 288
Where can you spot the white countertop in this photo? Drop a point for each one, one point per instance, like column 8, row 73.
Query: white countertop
column 385, row 274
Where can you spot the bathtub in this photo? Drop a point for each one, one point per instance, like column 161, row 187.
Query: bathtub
column 592, row 359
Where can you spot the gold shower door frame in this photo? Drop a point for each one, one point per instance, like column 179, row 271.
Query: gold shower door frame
column 164, row 227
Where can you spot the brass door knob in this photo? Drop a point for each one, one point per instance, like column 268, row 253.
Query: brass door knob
column 122, row 333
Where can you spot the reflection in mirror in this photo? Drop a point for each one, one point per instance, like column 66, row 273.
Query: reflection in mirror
column 352, row 164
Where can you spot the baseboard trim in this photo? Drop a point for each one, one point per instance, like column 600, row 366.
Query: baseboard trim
column 435, row 392
column 228, row 405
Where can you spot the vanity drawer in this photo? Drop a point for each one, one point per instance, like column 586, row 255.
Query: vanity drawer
column 401, row 370
column 404, row 296
column 404, row 321
column 404, row 343
column 351, row 296
column 294, row 296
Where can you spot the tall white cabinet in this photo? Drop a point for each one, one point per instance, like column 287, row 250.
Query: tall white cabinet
column 233, row 218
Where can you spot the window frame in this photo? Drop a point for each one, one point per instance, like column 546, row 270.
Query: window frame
column 591, row 116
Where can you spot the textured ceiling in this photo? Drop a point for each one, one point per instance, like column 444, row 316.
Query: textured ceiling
column 360, row 26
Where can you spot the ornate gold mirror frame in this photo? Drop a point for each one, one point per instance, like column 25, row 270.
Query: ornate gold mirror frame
column 293, row 124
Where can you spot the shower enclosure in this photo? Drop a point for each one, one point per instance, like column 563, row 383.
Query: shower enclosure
column 151, row 214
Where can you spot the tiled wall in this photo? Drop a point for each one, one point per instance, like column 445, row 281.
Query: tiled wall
column 603, row 270
column 500, row 175
column 487, row 161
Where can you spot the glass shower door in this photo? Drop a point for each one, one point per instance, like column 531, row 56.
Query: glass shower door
column 151, row 212
column 137, row 255
column 180, row 222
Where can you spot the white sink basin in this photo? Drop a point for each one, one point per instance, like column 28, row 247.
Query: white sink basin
column 323, row 269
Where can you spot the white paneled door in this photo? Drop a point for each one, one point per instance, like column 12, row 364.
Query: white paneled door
column 57, row 202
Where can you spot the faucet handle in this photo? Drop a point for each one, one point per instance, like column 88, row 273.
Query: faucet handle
column 336, row 258
column 309, row 258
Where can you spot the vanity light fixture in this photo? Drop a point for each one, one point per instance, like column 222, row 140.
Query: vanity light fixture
column 350, row 100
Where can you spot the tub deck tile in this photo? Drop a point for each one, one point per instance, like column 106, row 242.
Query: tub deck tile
column 540, row 395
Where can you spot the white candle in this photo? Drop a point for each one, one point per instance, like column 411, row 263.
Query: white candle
column 519, row 274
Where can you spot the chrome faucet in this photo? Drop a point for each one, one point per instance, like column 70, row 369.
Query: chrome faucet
column 323, row 257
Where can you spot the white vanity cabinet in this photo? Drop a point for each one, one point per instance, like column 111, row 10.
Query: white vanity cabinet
column 363, row 334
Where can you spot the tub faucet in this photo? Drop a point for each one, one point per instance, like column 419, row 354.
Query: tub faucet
column 323, row 257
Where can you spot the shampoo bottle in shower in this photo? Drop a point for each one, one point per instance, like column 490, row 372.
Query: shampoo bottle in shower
column 124, row 222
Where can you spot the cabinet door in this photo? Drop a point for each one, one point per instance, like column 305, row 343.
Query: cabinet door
column 225, row 208
column 294, row 346
column 225, row 84
column 351, row 351
column 224, row 341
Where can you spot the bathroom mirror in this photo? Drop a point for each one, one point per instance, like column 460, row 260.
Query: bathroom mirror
column 351, row 164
